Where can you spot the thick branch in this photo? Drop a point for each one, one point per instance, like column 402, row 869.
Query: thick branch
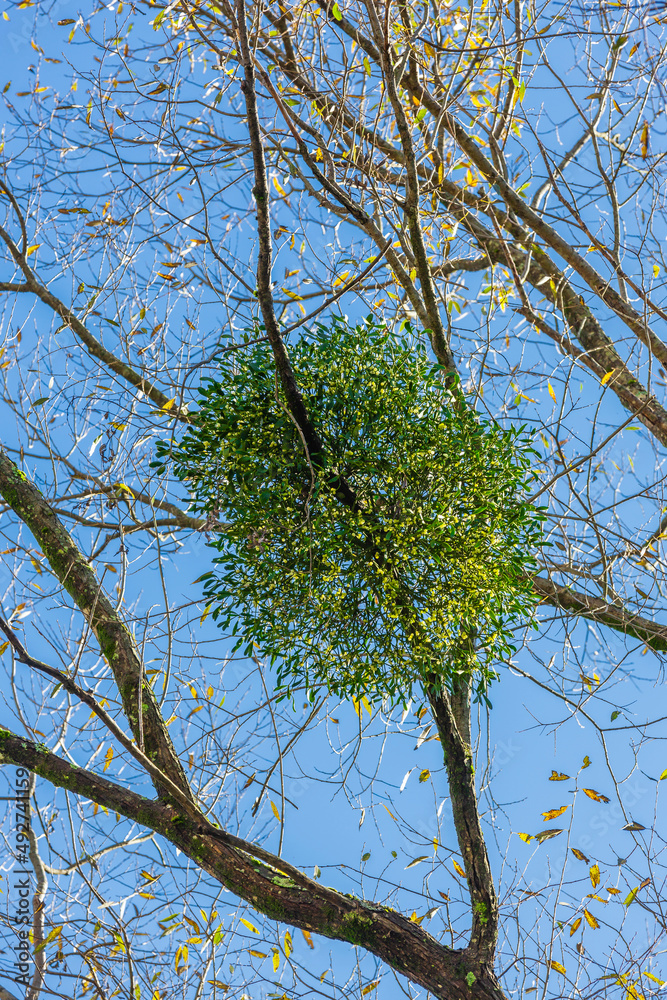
column 272, row 887
column 598, row 610
column 461, row 781
column 115, row 640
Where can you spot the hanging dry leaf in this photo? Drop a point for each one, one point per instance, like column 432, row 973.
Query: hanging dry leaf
column 554, row 813
column 546, row 835
column 596, row 796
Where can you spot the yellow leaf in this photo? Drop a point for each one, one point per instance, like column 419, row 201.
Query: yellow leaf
column 251, row 927
column 274, row 810
column 287, row 944
column 596, row 796
column 458, row 869
column 551, row 391
column 605, row 378
column 663, row 775
column 276, row 960
column 390, row 812
column 367, row 65
column 630, row 896
column 649, row 975
column 309, row 940
column 526, row 837
column 554, row 813
column 279, row 188
column 32, row 249
column 424, row 857
column 319, row 155
column 575, row 926
column 108, row 758
column 146, row 895
column 595, row 876
column 207, row 610
column 371, row 986
column 257, row 954
column 590, row 920
column 3, row 648
column 557, row 967
column 586, row 762
column 168, row 405
column 341, row 278
column 644, row 141
column 656, row 270
column 614, row 892
column 558, row 776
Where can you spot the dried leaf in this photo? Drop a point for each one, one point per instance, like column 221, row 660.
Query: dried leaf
column 579, row 855
column 557, row 967
column 416, row 861
column 554, row 813
column 546, row 835
column 575, row 926
column 596, row 796
column 590, row 920
column 559, row 776
column 595, row 876
column 458, row 869
column 308, row 938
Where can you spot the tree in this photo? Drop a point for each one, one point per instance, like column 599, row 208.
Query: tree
column 501, row 248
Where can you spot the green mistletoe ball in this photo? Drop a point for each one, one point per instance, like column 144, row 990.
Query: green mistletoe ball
column 428, row 575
